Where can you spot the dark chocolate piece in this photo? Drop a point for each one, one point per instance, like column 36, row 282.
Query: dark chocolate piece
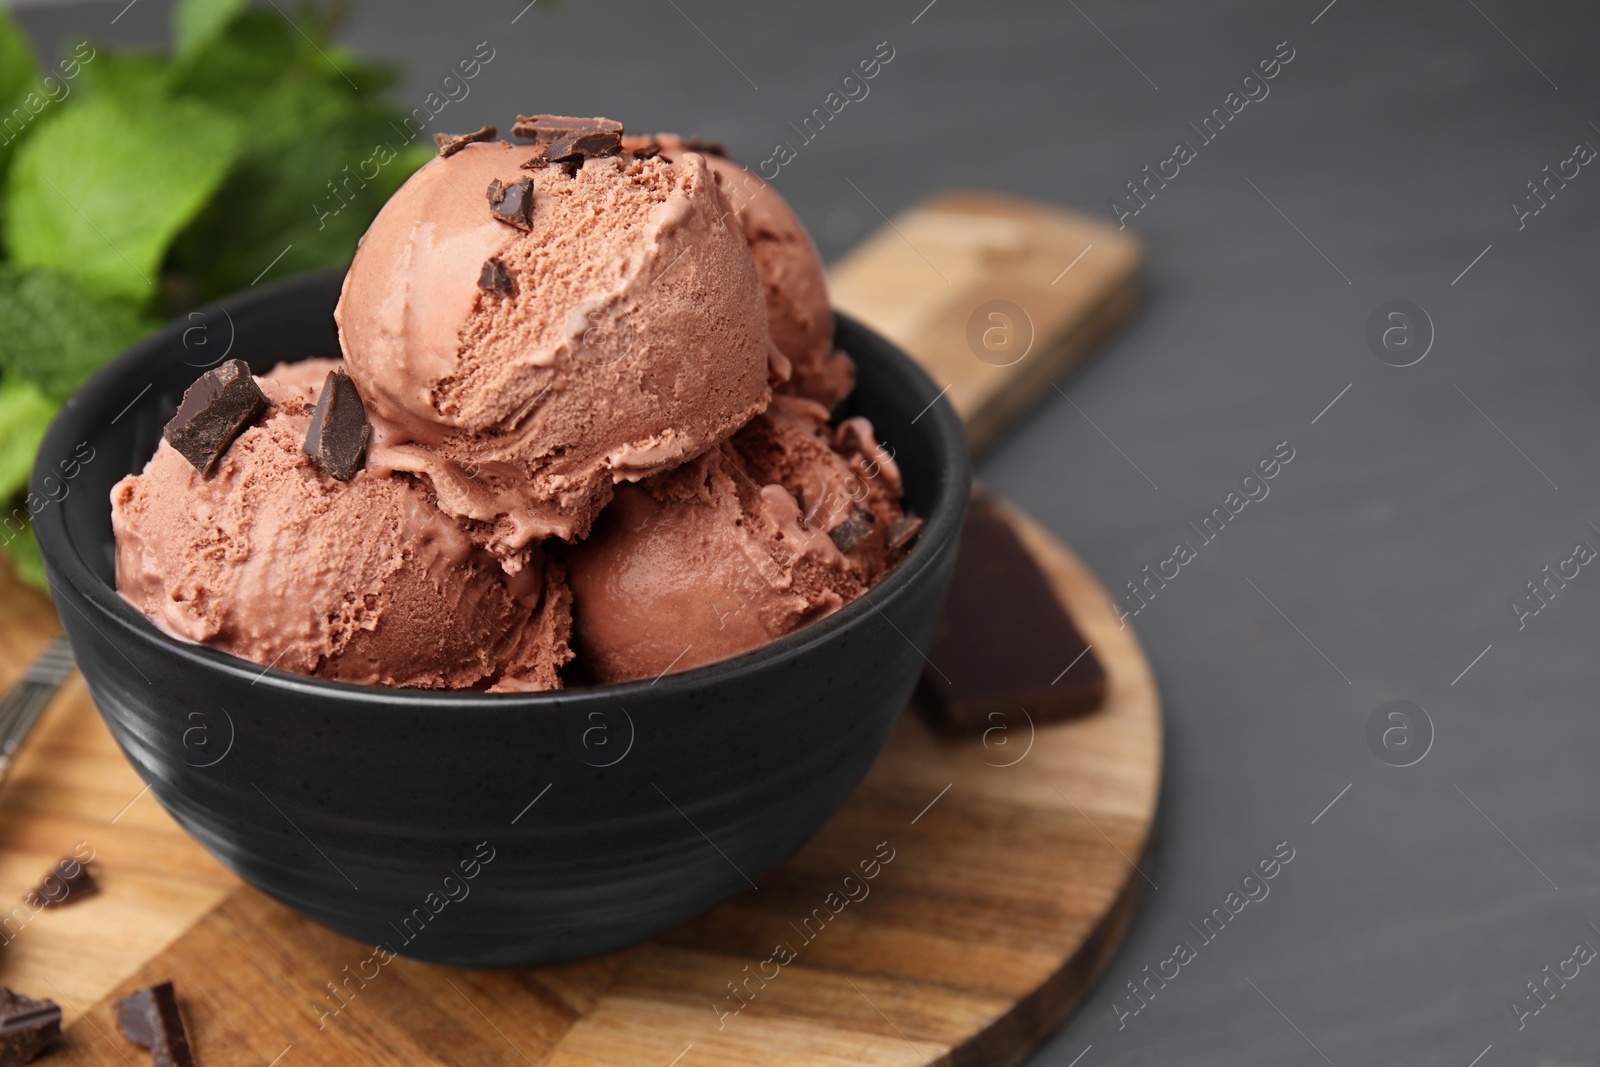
column 1004, row 643
column 150, row 1018
column 215, row 409
column 903, row 531
column 852, row 531
column 583, row 144
column 513, row 203
column 496, row 278
column 337, row 438
column 649, row 151
column 450, row 144
column 542, row 129
column 704, row 147
column 27, row 1027
column 68, row 882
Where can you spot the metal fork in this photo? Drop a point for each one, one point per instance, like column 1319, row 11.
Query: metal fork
column 22, row 706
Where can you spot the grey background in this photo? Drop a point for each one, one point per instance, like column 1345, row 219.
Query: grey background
column 1394, row 541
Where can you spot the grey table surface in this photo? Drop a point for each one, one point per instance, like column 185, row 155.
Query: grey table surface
column 1382, row 565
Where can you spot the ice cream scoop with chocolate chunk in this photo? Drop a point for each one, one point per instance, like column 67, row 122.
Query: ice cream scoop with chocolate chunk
column 361, row 580
column 783, row 524
column 527, row 334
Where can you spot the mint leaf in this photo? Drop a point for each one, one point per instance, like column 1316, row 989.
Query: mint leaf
column 132, row 79
column 251, row 56
column 99, row 190
column 19, row 75
column 25, row 413
column 196, row 23
column 54, row 335
column 25, row 559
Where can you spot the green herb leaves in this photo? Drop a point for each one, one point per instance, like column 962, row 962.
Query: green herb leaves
column 101, row 190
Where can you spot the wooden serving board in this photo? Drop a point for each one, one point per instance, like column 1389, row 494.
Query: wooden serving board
column 1011, row 881
column 1031, row 287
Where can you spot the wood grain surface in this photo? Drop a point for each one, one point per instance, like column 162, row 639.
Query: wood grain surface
column 1043, row 285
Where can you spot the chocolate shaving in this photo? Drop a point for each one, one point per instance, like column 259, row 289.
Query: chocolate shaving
column 27, row 1027
column 903, row 531
column 1008, row 653
column 513, row 204
column 337, row 438
column 583, row 144
column 496, row 278
column 217, row 408
column 852, row 531
column 543, row 129
column 68, row 882
column 450, row 144
column 150, row 1018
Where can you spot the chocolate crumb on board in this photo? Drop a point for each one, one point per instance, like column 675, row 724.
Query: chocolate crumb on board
column 496, row 278
column 337, row 438
column 150, row 1018
column 68, row 882
column 449, row 144
column 1004, row 641
column 512, row 204
column 852, row 531
column 583, row 144
column 543, row 129
column 215, row 410
column 27, row 1027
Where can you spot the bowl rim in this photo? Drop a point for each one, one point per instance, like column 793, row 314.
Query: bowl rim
column 100, row 395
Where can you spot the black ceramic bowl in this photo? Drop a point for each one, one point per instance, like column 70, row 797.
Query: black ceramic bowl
column 485, row 829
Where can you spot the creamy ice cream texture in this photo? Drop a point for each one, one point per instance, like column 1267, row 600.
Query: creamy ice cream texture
column 785, row 523
column 793, row 285
column 631, row 338
column 598, row 388
column 365, row 581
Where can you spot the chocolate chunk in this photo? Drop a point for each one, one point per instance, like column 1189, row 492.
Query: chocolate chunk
column 215, row 409
column 649, row 151
column 1004, row 641
column 27, row 1027
column 337, row 438
column 583, row 144
column 450, row 144
column 542, row 129
column 903, row 531
column 852, row 531
column 704, row 147
column 68, row 882
column 513, row 203
column 150, row 1018
column 496, row 278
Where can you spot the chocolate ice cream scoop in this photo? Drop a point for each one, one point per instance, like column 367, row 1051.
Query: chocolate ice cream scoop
column 526, row 338
column 780, row 526
column 361, row 580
